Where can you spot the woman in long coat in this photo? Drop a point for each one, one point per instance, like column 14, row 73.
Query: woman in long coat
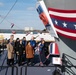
column 10, row 59
column 29, row 53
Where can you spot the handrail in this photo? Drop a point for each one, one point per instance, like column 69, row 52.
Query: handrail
column 25, row 68
column 3, row 62
column 69, row 56
column 67, row 62
column 12, row 69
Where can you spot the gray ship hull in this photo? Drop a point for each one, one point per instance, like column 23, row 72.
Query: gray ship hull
column 66, row 45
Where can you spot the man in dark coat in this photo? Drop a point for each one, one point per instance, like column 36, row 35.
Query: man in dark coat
column 20, row 53
column 33, row 42
column 24, row 43
column 17, row 42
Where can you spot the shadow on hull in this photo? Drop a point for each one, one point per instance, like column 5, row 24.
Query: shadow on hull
column 69, row 43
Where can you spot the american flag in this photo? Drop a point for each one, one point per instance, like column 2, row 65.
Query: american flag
column 64, row 22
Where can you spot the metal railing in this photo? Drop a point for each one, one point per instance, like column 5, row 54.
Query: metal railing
column 5, row 70
column 23, row 70
column 67, row 64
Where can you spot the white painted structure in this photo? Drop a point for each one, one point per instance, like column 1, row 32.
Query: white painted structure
column 46, row 36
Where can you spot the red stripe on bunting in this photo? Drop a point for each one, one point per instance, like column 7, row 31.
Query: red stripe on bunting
column 62, row 11
column 63, row 18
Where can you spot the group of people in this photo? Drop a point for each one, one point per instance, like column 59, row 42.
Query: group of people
column 23, row 50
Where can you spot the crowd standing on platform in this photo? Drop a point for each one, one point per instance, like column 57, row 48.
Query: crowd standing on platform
column 21, row 51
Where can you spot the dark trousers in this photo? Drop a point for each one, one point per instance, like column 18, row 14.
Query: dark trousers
column 19, row 60
column 10, row 61
column 30, row 60
column 23, row 57
column 16, row 57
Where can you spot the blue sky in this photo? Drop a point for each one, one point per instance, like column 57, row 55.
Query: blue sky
column 23, row 14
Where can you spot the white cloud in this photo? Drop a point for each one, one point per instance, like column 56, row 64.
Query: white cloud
column 31, row 8
column 1, row 4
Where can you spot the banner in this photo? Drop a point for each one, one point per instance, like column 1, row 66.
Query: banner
column 64, row 22
column 53, row 49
